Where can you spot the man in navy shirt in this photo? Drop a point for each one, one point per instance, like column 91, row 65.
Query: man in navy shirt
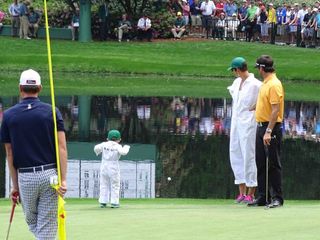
column 27, row 132
column 34, row 20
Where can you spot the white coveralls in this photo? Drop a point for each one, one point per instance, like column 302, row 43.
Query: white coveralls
column 243, row 130
column 109, row 170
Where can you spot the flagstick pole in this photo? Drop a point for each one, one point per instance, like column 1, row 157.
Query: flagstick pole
column 61, row 212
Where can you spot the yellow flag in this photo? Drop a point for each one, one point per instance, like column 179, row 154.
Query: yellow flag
column 61, row 219
column 61, row 216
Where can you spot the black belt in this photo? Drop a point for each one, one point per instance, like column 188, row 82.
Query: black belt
column 264, row 124
column 37, row 168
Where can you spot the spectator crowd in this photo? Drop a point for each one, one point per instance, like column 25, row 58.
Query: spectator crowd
column 249, row 20
column 263, row 21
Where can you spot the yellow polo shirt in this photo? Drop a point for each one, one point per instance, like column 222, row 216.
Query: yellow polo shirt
column 272, row 18
column 271, row 92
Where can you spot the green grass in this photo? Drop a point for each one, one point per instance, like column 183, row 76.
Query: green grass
column 174, row 219
column 153, row 69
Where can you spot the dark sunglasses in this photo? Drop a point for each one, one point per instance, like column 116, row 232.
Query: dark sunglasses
column 258, row 65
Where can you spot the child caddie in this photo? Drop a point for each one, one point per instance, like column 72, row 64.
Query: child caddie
column 109, row 171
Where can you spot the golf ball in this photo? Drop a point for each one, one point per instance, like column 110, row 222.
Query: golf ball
column 169, row 178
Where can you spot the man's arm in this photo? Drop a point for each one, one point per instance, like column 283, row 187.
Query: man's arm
column 272, row 121
column 139, row 24
column 149, row 25
column 63, row 162
column 12, row 169
column 39, row 18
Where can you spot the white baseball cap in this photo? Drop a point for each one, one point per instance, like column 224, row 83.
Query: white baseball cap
column 30, row 78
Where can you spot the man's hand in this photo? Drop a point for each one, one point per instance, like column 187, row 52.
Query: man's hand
column 252, row 108
column 267, row 139
column 15, row 196
column 62, row 189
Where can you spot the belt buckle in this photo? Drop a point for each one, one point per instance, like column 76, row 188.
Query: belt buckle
column 259, row 124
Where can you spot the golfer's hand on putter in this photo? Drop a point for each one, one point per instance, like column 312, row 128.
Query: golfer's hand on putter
column 62, row 189
column 267, row 138
column 15, row 198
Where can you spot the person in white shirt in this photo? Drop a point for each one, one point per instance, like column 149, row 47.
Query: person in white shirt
column 144, row 28
column 303, row 11
column 208, row 10
column 14, row 11
column 109, row 169
column 221, row 26
column 232, row 26
column 244, row 92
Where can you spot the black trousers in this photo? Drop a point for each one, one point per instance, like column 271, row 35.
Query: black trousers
column 145, row 34
column 275, row 171
column 250, row 29
column 103, row 30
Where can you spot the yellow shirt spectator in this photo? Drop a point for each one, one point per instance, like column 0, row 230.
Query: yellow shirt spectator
column 271, row 92
column 272, row 18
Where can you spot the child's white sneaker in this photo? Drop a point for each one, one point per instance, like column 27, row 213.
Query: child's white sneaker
column 113, row 205
column 103, row 205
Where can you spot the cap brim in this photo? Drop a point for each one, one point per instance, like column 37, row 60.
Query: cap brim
column 230, row 68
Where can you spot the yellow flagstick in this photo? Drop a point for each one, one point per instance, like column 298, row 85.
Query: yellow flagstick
column 61, row 202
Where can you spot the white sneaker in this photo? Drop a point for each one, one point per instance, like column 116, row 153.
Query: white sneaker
column 27, row 38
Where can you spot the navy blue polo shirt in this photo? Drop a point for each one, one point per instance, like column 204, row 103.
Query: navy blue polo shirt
column 29, row 127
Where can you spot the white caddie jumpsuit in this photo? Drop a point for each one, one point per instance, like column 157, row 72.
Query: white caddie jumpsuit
column 109, row 170
column 243, row 130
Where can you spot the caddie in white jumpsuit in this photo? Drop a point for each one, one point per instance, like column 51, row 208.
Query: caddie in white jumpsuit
column 109, row 170
column 244, row 92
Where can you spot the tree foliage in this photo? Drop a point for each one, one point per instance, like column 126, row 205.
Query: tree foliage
column 133, row 8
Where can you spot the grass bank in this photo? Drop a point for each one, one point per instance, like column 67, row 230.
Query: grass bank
column 149, row 69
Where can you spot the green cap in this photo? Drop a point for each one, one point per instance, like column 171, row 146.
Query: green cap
column 114, row 135
column 237, row 63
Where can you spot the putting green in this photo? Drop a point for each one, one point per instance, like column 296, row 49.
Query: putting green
column 174, row 219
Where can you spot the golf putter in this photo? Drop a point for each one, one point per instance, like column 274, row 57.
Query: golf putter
column 267, row 175
column 15, row 199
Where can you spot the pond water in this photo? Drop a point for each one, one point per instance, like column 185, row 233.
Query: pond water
column 88, row 118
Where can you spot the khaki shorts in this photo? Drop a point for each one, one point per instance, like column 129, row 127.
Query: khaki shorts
column 196, row 20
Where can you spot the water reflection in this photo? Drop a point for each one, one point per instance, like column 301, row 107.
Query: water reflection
column 141, row 118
